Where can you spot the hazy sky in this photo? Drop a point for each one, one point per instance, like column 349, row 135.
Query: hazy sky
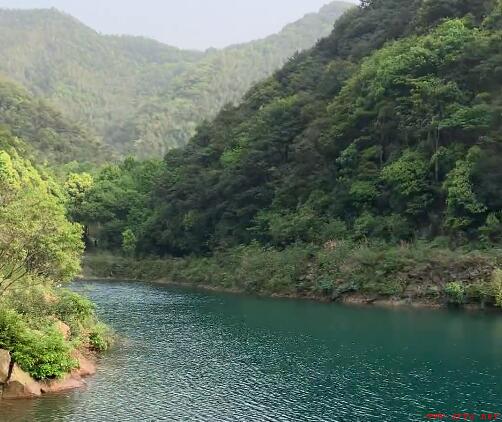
column 184, row 23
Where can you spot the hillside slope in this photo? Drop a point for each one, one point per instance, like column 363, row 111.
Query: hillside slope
column 141, row 96
column 367, row 168
column 404, row 143
column 45, row 134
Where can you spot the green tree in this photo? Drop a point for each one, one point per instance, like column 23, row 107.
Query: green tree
column 129, row 242
column 462, row 204
column 37, row 243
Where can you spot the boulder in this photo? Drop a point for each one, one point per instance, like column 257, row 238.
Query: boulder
column 4, row 366
column 21, row 386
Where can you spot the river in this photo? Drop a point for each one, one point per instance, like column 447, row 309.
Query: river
column 188, row 355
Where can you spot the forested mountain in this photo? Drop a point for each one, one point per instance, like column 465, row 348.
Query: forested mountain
column 344, row 171
column 139, row 95
column 389, row 128
column 44, row 133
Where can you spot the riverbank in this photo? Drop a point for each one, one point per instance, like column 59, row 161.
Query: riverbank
column 353, row 299
column 18, row 384
column 194, row 355
column 50, row 339
column 410, row 275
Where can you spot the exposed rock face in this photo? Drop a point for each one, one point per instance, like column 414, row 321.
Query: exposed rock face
column 20, row 386
column 17, row 384
column 70, row 382
column 4, row 366
column 86, row 366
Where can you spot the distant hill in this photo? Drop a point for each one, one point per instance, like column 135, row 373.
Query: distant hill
column 44, row 133
column 140, row 95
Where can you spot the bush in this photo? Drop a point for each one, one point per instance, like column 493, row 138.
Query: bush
column 371, row 267
column 11, row 327
column 497, row 287
column 455, row 293
column 72, row 305
column 75, row 310
column 37, row 301
column 28, row 330
column 129, row 242
column 478, row 292
column 100, row 338
column 44, row 354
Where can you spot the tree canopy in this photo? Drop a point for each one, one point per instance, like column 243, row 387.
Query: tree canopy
column 381, row 133
column 140, row 96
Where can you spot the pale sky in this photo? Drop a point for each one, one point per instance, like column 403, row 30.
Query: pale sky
column 196, row 24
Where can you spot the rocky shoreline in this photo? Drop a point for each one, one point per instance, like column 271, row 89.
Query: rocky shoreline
column 347, row 298
column 414, row 276
column 17, row 384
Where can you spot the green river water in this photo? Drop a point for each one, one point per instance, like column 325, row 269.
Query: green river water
column 187, row 355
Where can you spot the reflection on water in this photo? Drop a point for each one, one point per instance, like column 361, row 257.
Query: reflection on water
column 197, row 356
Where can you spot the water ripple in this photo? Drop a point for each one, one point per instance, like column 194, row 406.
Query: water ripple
column 192, row 356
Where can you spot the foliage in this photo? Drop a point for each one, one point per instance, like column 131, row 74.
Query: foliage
column 421, row 271
column 28, row 329
column 40, row 251
column 354, row 168
column 118, row 200
column 140, row 96
column 42, row 353
column 71, row 305
column 455, row 292
column 77, row 185
column 48, row 135
column 397, row 151
column 461, row 201
column 497, row 286
column 37, row 243
column 99, row 338
column 128, row 242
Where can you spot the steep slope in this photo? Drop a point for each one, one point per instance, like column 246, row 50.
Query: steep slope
column 139, row 95
column 95, row 79
column 357, row 137
column 367, row 169
column 43, row 132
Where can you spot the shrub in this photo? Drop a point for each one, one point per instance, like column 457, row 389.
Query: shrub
column 42, row 353
column 11, row 327
column 497, row 287
column 72, row 306
column 334, row 230
column 37, row 301
column 129, row 242
column 478, row 292
column 455, row 292
column 100, row 338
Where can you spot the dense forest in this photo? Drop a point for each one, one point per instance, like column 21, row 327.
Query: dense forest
column 140, row 96
column 369, row 163
column 43, row 132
